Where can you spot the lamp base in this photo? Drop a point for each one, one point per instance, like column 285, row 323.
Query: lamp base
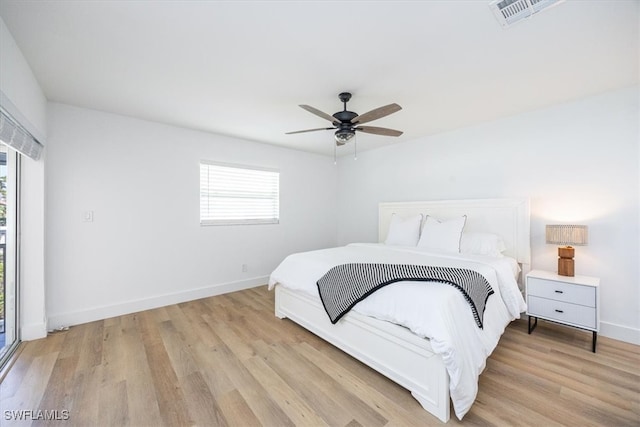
column 566, row 265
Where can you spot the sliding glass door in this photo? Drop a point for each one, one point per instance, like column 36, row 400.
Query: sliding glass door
column 9, row 163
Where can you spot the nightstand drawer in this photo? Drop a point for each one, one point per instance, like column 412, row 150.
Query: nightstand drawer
column 560, row 291
column 563, row 312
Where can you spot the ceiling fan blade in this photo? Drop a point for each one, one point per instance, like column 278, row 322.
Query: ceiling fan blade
column 307, row 130
column 376, row 114
column 379, row 131
column 319, row 113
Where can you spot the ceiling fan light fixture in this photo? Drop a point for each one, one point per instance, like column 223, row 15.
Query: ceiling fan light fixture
column 344, row 135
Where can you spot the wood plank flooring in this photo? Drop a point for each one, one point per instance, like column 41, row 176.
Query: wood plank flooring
column 228, row 361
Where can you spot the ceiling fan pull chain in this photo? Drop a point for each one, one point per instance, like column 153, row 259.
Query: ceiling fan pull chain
column 355, row 147
column 335, row 160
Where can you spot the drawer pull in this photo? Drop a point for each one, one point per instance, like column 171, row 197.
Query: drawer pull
column 559, row 311
column 559, row 292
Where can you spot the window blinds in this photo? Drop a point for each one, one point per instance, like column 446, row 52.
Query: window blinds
column 17, row 137
column 232, row 194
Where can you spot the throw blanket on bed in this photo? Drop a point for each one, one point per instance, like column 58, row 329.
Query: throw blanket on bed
column 345, row 285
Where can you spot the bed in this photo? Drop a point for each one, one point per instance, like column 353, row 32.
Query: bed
column 418, row 361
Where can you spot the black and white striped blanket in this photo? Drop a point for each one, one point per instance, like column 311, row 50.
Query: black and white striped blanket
column 345, row 285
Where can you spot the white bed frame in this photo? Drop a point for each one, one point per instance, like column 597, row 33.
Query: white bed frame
column 393, row 350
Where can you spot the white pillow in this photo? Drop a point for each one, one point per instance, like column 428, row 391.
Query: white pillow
column 404, row 231
column 482, row 244
column 442, row 236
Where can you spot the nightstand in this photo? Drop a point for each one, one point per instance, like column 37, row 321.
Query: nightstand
column 571, row 301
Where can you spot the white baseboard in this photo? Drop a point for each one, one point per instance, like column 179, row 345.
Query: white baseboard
column 33, row 331
column 620, row 333
column 104, row 312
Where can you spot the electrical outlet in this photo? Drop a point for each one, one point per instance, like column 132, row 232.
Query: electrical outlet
column 244, row 268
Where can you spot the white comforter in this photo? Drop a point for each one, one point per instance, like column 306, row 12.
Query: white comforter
column 432, row 310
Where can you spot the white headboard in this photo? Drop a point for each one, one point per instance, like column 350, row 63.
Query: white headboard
column 508, row 218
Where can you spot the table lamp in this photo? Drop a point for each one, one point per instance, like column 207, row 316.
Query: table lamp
column 562, row 234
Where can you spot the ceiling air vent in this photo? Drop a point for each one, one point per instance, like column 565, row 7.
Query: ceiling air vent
column 509, row 12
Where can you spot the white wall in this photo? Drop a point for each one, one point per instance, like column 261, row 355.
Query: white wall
column 145, row 247
column 577, row 162
column 21, row 96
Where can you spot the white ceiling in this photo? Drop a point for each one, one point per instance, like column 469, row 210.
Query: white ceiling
column 241, row 68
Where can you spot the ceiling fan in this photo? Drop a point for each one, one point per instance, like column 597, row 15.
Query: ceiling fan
column 347, row 123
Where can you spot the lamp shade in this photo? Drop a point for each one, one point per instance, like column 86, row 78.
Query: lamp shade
column 563, row 234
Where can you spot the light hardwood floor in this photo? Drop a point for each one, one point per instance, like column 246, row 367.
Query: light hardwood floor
column 227, row 360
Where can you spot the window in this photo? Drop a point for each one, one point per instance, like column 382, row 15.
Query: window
column 9, row 325
column 232, row 194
